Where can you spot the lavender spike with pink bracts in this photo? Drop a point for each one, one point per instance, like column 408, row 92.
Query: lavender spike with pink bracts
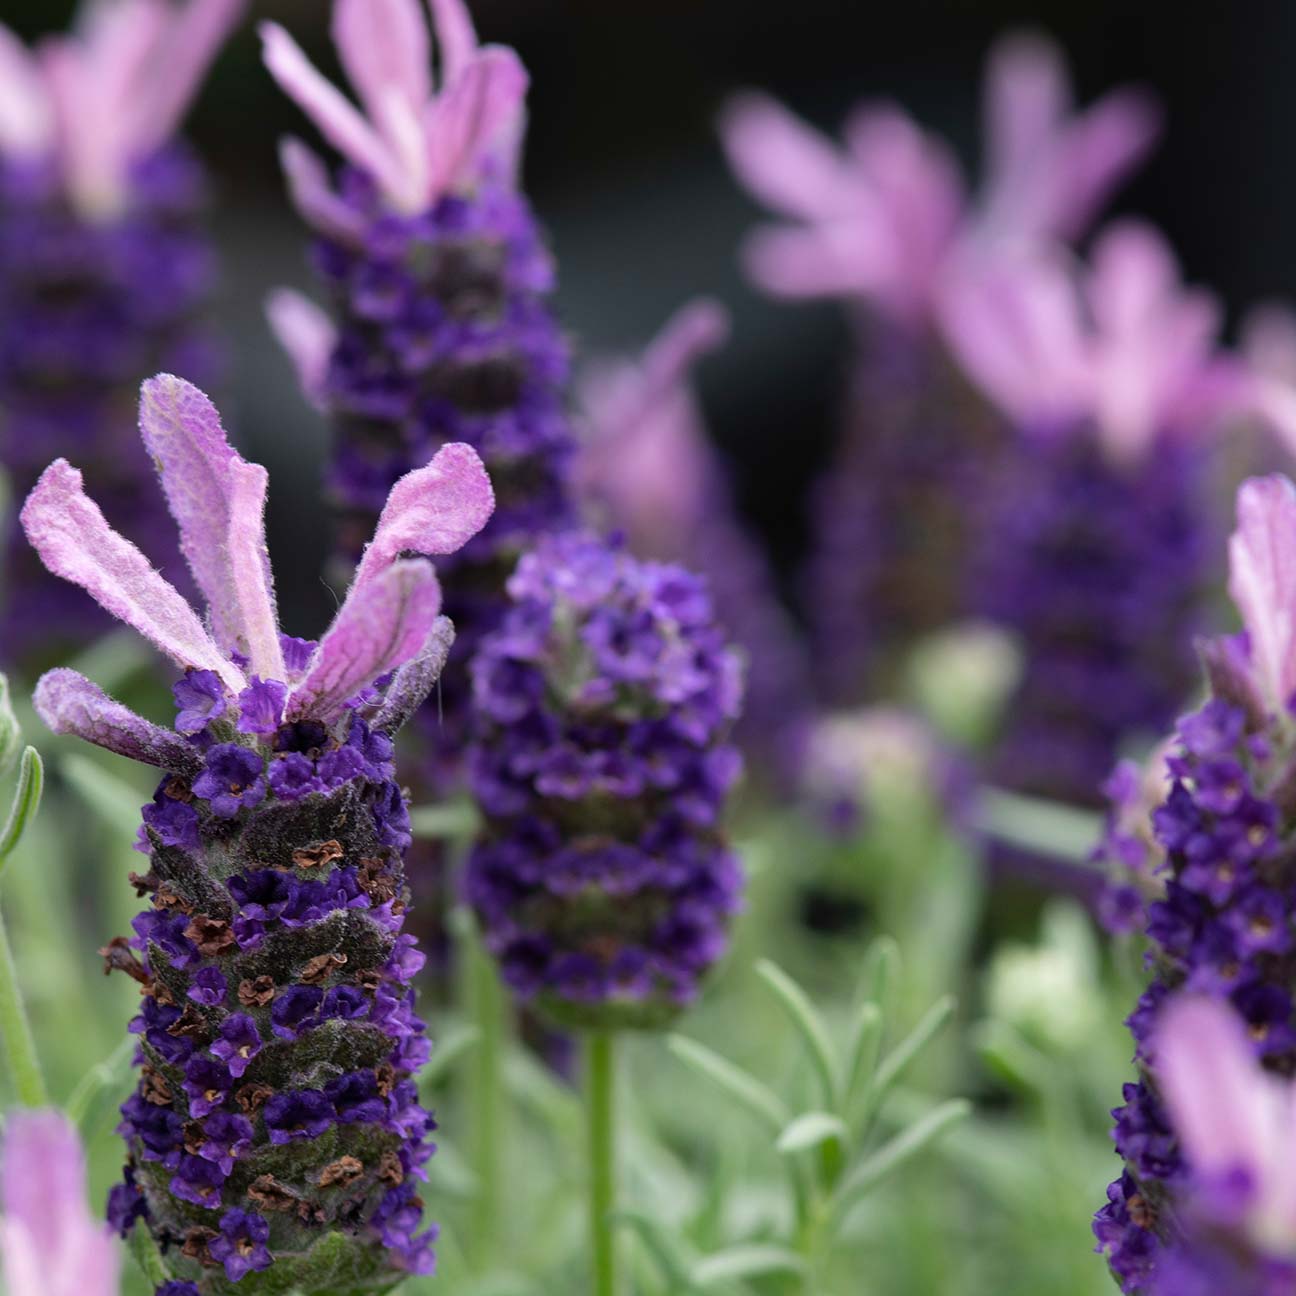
column 647, row 469
column 276, row 1128
column 883, row 223
column 104, row 271
column 438, row 279
column 1095, row 541
column 1206, row 1189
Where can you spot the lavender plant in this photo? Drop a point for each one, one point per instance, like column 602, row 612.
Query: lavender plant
column 438, row 279
column 1193, row 1202
column 648, row 470
column 885, row 223
column 275, row 1136
column 830, row 1149
column 1097, row 543
column 104, row 269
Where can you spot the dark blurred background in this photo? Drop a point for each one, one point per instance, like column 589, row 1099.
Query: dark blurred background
column 624, row 169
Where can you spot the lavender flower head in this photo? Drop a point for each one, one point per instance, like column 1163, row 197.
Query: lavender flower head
column 647, row 469
column 1220, row 926
column 438, row 281
column 275, row 1129
column 104, row 271
column 50, row 1244
column 602, row 881
column 1096, row 539
column 885, row 222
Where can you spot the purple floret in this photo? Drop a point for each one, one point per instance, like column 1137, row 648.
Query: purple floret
column 232, row 780
column 241, row 1244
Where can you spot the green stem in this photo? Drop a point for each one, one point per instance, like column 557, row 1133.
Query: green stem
column 600, row 1080
column 15, row 1030
column 487, row 1003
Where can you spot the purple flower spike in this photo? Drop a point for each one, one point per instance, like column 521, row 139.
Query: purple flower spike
column 624, row 703
column 241, row 1246
column 1207, row 1190
column 278, row 891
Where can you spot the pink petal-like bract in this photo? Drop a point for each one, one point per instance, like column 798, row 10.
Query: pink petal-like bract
column 435, row 509
column 384, row 45
column 383, row 624
column 472, row 114
column 1262, row 581
column 1227, row 1112
column 74, row 541
column 218, row 501
column 313, row 195
column 50, row 1242
column 69, row 703
column 337, row 119
column 308, row 336
column 456, row 37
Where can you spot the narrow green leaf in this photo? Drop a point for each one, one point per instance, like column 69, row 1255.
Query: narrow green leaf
column 895, row 1062
column 898, row 1151
column 31, row 781
column 810, row 1129
column 865, row 1046
column 810, row 1025
column 750, row 1261
column 449, row 1049
column 758, row 1098
column 881, row 971
column 664, row 1249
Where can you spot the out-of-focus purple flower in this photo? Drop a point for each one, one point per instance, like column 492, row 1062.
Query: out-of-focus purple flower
column 50, row 1243
column 93, row 105
column 602, row 881
column 1121, row 349
column 887, row 217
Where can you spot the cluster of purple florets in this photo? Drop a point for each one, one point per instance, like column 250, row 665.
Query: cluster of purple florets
column 446, row 335
column 1222, row 926
column 278, row 1031
column 1101, row 569
column 602, row 705
column 86, row 307
column 286, row 761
